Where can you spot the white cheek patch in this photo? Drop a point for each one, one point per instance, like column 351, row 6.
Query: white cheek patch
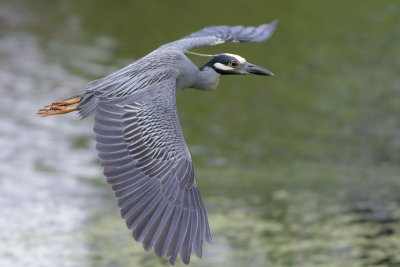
column 238, row 58
column 221, row 66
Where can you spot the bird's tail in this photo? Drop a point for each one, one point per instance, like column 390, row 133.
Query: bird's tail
column 61, row 107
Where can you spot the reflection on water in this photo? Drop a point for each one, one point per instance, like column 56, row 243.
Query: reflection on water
column 302, row 173
column 296, row 215
column 42, row 199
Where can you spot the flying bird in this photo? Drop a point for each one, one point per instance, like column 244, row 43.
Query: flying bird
column 140, row 142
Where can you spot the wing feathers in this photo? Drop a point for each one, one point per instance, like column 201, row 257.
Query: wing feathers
column 142, row 220
column 159, row 245
column 148, row 232
column 145, row 160
column 220, row 34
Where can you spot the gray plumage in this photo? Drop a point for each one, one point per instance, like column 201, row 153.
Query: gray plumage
column 141, row 144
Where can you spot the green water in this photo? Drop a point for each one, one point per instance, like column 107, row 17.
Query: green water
column 300, row 169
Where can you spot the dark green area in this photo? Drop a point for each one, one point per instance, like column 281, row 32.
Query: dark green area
column 334, row 96
column 296, row 170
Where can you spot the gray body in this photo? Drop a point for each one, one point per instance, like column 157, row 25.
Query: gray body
column 141, row 144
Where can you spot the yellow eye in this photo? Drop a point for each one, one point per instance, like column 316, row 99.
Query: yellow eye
column 234, row 64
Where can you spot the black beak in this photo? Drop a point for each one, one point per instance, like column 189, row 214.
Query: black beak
column 253, row 69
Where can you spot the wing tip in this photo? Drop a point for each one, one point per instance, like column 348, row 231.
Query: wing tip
column 269, row 29
column 184, row 249
column 270, row 26
column 275, row 22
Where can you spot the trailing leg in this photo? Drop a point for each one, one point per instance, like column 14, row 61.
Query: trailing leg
column 61, row 107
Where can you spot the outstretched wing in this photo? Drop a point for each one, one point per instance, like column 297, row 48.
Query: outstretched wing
column 222, row 34
column 146, row 160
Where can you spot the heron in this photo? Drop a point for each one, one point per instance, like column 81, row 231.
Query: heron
column 141, row 145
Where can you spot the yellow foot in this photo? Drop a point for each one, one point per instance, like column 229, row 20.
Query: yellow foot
column 58, row 108
column 66, row 102
column 55, row 110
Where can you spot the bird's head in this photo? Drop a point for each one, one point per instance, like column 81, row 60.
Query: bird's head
column 225, row 64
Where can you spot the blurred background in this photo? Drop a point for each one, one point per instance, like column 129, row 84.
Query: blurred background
column 300, row 169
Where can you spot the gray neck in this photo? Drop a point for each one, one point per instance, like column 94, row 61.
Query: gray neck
column 191, row 76
column 207, row 79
